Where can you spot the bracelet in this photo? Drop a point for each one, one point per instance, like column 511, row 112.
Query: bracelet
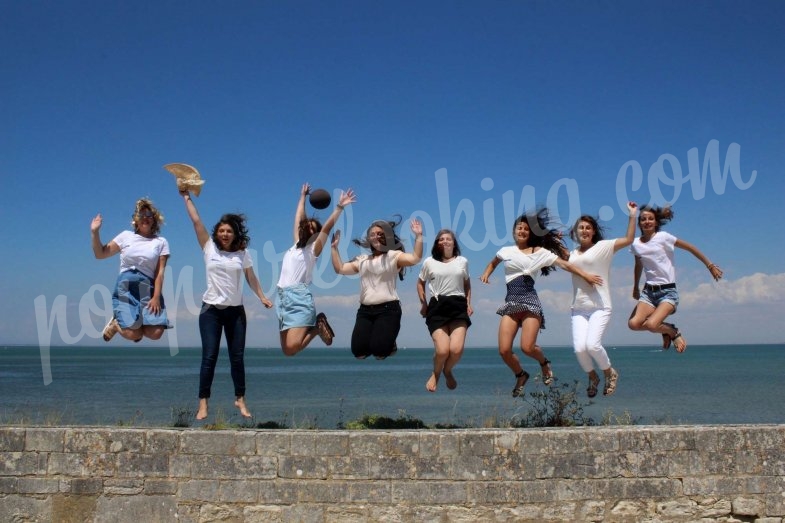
column 341, row 207
column 711, row 266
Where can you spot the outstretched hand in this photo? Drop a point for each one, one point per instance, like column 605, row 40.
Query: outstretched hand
column 715, row 271
column 416, row 226
column 96, row 223
column 305, row 190
column 336, row 238
column 347, row 198
column 632, row 208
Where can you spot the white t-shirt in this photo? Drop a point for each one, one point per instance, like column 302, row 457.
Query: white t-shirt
column 517, row 263
column 225, row 273
column 445, row 279
column 596, row 260
column 378, row 277
column 297, row 266
column 140, row 253
column 656, row 255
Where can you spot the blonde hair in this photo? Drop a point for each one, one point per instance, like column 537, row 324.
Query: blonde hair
column 158, row 218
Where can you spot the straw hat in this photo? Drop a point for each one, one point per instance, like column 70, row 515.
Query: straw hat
column 188, row 178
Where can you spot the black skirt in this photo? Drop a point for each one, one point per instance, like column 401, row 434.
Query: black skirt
column 445, row 310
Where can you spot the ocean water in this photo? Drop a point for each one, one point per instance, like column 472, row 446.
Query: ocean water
column 323, row 387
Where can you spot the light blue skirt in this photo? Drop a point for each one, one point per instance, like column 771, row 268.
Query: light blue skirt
column 131, row 295
column 295, row 307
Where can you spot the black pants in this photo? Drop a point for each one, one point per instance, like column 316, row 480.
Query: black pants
column 375, row 329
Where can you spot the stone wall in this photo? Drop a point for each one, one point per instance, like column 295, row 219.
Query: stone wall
column 682, row 473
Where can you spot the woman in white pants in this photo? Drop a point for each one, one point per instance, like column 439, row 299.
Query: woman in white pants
column 591, row 305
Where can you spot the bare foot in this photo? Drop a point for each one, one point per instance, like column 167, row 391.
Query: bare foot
column 450, row 380
column 431, row 383
column 240, row 404
column 202, row 412
column 679, row 342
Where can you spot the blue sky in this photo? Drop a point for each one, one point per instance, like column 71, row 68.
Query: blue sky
column 498, row 101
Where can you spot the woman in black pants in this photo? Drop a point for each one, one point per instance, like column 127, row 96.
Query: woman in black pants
column 379, row 316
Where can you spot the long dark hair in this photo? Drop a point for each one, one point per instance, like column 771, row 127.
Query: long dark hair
column 391, row 239
column 304, row 233
column 237, row 223
column 662, row 215
column 599, row 231
column 437, row 253
column 542, row 234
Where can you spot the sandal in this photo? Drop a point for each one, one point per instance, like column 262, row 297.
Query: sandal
column 610, row 383
column 520, row 381
column 666, row 338
column 547, row 379
column 325, row 331
column 111, row 329
column 594, row 382
column 676, row 337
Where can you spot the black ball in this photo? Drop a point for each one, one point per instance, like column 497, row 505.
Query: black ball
column 320, row 198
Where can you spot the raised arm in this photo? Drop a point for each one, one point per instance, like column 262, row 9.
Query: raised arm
column 347, row 198
column 299, row 214
column 202, row 236
column 407, row 259
column 715, row 271
column 101, row 251
column 620, row 243
column 486, row 274
column 591, row 279
column 637, row 271
column 256, row 287
column 339, row 266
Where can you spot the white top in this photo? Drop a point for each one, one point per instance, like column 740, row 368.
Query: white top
column 377, row 277
column 656, row 255
column 140, row 253
column 297, row 266
column 225, row 273
column 445, row 279
column 596, row 260
column 517, row 263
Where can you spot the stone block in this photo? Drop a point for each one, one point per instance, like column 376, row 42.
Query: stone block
column 44, row 440
column 683, row 463
column 571, row 466
column 273, row 443
column 28, row 485
column 591, row 511
column 410, row 493
column 219, row 512
column 394, row 467
column 655, row 488
column 746, row 506
column 86, row 486
column 279, row 492
column 559, row 512
column 580, row 489
column 126, row 440
column 364, row 443
column 533, row 442
column 432, row 468
column 775, row 504
column 102, row 464
column 328, row 492
column 62, row 464
column 304, row 513
column 731, row 439
column 303, row 467
column 653, row 464
column 25, row 509
column 331, row 444
column 222, row 442
column 86, row 440
column 568, row 442
column 630, row 510
column 180, row 465
column 621, row 464
column 636, row 440
column 706, row 439
column 263, row 514
column 8, row 485
column 447, row 492
column 486, row 468
column 142, row 465
column 229, row 467
column 73, row 509
column 238, row 491
column 713, row 508
column 123, row 487
column 684, row 508
column 160, row 486
column 481, row 443
column 159, row 441
column 22, row 463
column 198, row 490
column 135, row 509
column 602, row 441
column 12, row 439
column 405, row 444
column 370, row 492
column 347, row 467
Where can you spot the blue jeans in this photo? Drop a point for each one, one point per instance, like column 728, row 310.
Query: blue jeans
column 213, row 320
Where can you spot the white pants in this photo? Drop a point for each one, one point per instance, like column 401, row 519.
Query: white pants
column 587, row 330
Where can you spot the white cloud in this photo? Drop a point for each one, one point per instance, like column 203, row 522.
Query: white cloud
column 756, row 289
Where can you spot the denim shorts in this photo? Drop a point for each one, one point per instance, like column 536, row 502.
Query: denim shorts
column 295, row 307
column 655, row 297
